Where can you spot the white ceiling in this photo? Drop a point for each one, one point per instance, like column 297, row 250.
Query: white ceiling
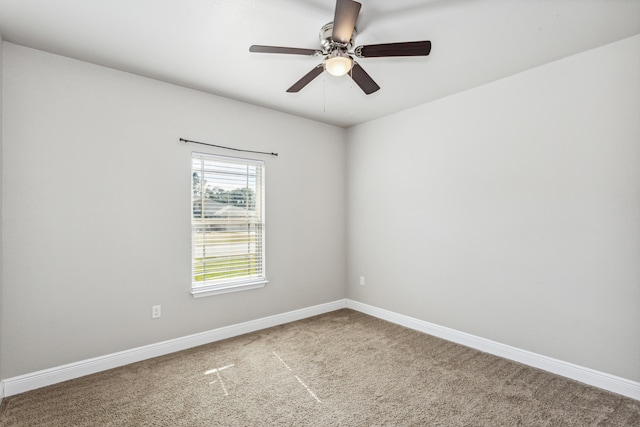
column 204, row 44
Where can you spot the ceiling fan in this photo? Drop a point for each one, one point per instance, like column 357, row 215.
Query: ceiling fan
column 336, row 39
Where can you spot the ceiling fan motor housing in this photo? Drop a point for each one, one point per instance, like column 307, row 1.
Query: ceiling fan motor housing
column 327, row 42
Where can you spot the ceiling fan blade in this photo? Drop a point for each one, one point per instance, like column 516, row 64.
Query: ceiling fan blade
column 362, row 79
column 344, row 20
column 306, row 79
column 286, row 50
column 421, row 48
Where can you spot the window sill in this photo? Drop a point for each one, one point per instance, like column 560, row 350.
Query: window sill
column 205, row 291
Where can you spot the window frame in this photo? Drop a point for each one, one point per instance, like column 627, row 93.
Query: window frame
column 207, row 288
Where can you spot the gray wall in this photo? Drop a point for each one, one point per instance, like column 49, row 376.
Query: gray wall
column 1, row 210
column 511, row 211
column 97, row 210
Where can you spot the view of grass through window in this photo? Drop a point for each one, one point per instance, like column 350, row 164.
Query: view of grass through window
column 227, row 220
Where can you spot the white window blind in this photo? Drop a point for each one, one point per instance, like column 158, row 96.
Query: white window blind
column 227, row 224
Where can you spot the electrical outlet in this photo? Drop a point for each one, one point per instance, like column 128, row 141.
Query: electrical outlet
column 156, row 311
column 362, row 280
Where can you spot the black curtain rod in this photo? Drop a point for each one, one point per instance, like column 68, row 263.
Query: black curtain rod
column 228, row 148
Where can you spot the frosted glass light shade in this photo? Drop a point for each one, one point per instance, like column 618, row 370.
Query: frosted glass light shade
column 338, row 65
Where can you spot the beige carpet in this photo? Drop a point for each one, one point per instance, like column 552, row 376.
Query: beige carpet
column 339, row 369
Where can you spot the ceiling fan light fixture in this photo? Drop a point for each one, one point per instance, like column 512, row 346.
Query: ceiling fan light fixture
column 338, row 63
column 337, row 39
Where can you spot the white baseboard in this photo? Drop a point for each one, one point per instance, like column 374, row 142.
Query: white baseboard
column 584, row 375
column 32, row 381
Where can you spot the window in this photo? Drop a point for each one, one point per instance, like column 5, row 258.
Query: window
column 227, row 224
